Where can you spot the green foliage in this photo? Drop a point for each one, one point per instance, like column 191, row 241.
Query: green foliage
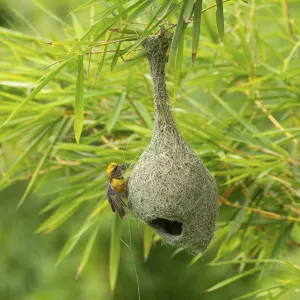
column 220, row 18
column 79, row 101
column 238, row 107
column 115, row 252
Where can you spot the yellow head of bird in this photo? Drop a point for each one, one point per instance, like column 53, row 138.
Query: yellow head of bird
column 110, row 168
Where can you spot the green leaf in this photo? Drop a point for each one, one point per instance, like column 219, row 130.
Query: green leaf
column 87, row 251
column 196, row 28
column 139, row 11
column 42, row 161
column 148, row 31
column 195, row 259
column 60, row 216
column 74, row 239
column 179, row 60
column 101, row 63
column 148, row 239
column 180, row 27
column 250, row 127
column 77, row 27
column 177, row 251
column 26, row 152
column 79, row 100
column 281, row 241
column 45, row 81
column 115, row 252
column 25, row 21
column 116, row 112
column 141, row 54
column 117, row 53
column 126, row 65
column 256, row 292
column 232, row 279
column 188, row 10
column 142, row 112
column 88, row 3
column 163, row 10
column 49, row 13
column 220, row 18
column 239, row 219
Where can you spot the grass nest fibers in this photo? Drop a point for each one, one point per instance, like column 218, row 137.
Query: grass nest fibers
column 170, row 189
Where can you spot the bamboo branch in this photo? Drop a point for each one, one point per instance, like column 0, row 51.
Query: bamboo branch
column 266, row 214
column 214, row 5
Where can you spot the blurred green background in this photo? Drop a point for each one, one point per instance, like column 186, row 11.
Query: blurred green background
column 28, row 268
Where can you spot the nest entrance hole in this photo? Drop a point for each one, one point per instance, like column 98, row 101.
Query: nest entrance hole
column 167, row 226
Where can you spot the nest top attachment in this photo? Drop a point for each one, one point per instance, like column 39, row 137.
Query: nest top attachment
column 170, row 189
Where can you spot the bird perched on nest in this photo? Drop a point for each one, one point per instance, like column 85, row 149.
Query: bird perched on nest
column 116, row 188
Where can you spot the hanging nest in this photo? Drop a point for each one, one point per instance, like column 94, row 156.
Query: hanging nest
column 170, row 189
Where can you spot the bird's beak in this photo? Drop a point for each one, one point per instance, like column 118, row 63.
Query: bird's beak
column 123, row 167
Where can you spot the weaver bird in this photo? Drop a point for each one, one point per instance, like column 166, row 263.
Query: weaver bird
column 116, row 188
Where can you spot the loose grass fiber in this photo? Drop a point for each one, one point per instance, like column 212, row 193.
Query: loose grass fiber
column 170, row 189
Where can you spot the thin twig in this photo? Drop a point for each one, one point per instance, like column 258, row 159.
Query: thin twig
column 42, row 172
column 109, row 143
column 266, row 214
column 113, row 51
column 259, row 104
column 287, row 16
column 214, row 5
column 287, row 185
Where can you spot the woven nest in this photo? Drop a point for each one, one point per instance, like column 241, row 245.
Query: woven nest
column 170, row 189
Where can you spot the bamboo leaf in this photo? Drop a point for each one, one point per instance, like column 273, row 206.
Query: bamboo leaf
column 41, row 162
column 188, row 10
column 180, row 27
column 143, row 113
column 115, row 251
column 87, row 4
column 128, row 64
column 179, row 60
column 74, row 239
column 139, row 11
column 79, row 101
column 59, row 217
column 141, row 54
column 195, row 259
column 148, row 238
column 281, row 241
column 101, row 63
column 196, row 28
column 77, row 27
column 21, row 158
column 116, row 112
column 250, row 127
column 148, row 30
column 117, row 53
column 25, row 20
column 163, row 9
column 232, row 279
column 177, row 251
column 49, row 13
column 45, row 81
column 256, row 292
column 87, row 251
column 220, row 18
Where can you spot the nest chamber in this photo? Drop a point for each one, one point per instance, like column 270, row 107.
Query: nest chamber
column 169, row 188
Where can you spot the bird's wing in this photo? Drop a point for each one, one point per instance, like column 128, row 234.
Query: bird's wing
column 108, row 194
column 115, row 200
column 126, row 189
